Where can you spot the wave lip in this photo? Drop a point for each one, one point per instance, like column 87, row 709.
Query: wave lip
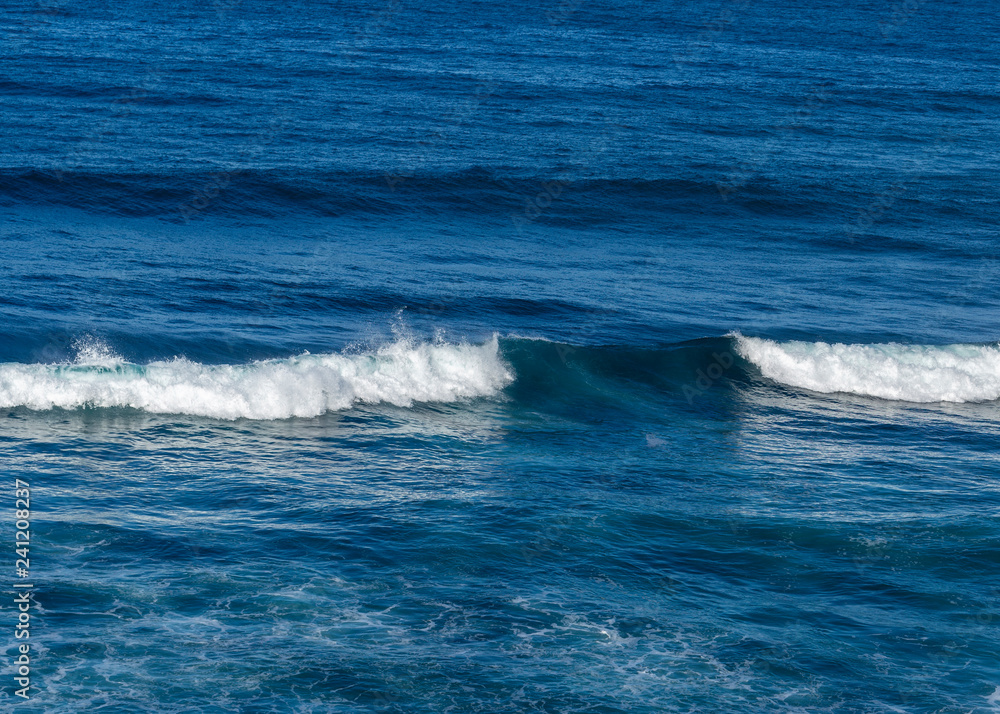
column 911, row 373
column 400, row 373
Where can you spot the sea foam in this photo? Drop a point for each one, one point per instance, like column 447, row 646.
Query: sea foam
column 912, row 373
column 400, row 373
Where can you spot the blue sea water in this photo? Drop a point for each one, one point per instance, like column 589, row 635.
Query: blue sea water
column 574, row 356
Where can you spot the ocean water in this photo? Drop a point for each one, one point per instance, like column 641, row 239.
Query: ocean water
column 574, row 356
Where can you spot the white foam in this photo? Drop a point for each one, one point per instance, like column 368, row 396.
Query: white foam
column 400, row 373
column 912, row 373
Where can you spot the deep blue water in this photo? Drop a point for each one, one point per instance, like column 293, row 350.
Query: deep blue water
column 503, row 357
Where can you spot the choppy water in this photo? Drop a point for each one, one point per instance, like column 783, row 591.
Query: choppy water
column 580, row 357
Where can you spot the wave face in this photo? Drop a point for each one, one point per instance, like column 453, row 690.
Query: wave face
column 406, row 371
column 912, row 373
column 400, row 373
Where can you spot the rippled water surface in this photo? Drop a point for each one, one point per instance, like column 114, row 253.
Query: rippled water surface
column 581, row 357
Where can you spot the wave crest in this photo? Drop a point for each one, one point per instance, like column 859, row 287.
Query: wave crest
column 400, row 373
column 912, row 373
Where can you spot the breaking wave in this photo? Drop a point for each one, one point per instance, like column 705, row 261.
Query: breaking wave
column 912, row 373
column 308, row 385
column 407, row 371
